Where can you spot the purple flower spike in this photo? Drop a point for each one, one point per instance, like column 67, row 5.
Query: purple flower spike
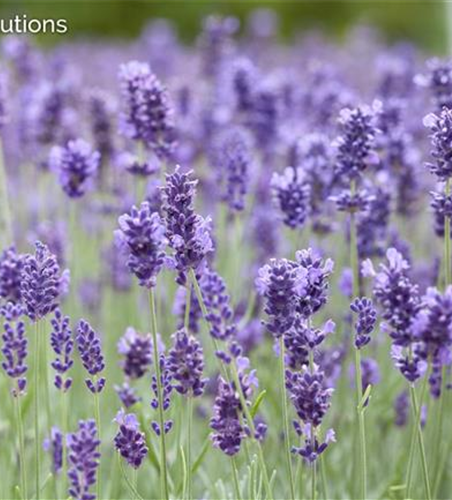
column 89, row 348
column 148, row 115
column 55, row 445
column 62, row 344
column 40, row 282
column 76, row 165
column 440, row 126
column 402, row 409
column 142, row 234
column 167, row 388
column 292, row 196
column 188, row 233
column 137, row 352
column 312, row 446
column 10, row 275
column 14, row 347
column 186, row 363
column 127, row 395
column 365, row 323
column 228, row 431
column 129, row 441
column 83, row 456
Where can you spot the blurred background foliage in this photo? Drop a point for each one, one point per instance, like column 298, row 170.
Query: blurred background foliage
column 424, row 21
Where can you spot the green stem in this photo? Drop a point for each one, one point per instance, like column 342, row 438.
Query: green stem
column 98, row 424
column 323, row 476
column 417, row 411
column 64, row 429
column 163, row 465
column 187, row 307
column 190, row 423
column 129, row 483
column 236, row 479
column 36, row 410
column 20, row 433
column 285, row 416
column 417, row 416
column 314, row 481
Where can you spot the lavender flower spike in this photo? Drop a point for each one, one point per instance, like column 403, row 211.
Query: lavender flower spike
column 137, row 352
column 10, row 275
column 142, row 234
column 83, row 456
column 365, row 323
column 40, row 282
column 62, row 344
column 440, row 126
column 76, row 165
column 89, row 348
column 129, row 441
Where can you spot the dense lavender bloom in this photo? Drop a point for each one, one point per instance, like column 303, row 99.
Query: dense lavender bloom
column 433, row 323
column 142, row 234
column 355, row 146
column 225, row 422
column 40, row 282
column 127, row 395
column 243, row 78
column 442, row 206
column 195, row 313
column 292, row 193
column 440, row 127
column 347, row 201
column 315, row 290
column 76, row 165
column 397, row 296
column 186, row 364
column 216, row 300
column 15, row 346
column 312, row 446
column 402, row 409
column 265, row 114
column 281, row 282
column 439, row 81
column 63, row 345
column 83, row 456
column 167, row 388
column 89, row 348
column 233, row 157
column 137, row 352
column 188, row 232
column 129, row 441
column 55, row 445
column 365, row 322
column 11, row 264
column 413, row 366
column 309, row 394
column 147, row 111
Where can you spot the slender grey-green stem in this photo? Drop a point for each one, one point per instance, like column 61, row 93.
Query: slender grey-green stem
column 64, row 429
column 354, row 258
column 416, row 411
column 285, row 416
column 163, row 466
column 236, row 379
column 129, row 483
column 99, row 433
column 323, row 476
column 235, row 479
column 187, row 307
column 20, row 435
column 36, row 409
column 189, row 438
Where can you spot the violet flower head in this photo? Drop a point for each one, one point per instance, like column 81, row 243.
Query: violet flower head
column 15, row 346
column 365, row 322
column 281, row 282
column 55, row 445
column 62, row 344
column 355, row 145
column 186, row 364
column 10, row 275
column 83, row 457
column 412, row 366
column 76, row 165
column 129, row 441
column 243, row 77
column 137, row 352
column 233, row 158
column 188, row 233
column 217, row 302
column 359, row 201
column 291, row 193
column 127, row 395
column 228, row 433
column 316, row 285
column 167, row 389
column 309, row 394
column 89, row 348
column 439, row 82
column 440, row 126
column 40, row 282
column 142, row 235
column 148, row 114
column 312, row 447
column 402, row 409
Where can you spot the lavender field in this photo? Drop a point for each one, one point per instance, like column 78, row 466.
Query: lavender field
column 225, row 266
